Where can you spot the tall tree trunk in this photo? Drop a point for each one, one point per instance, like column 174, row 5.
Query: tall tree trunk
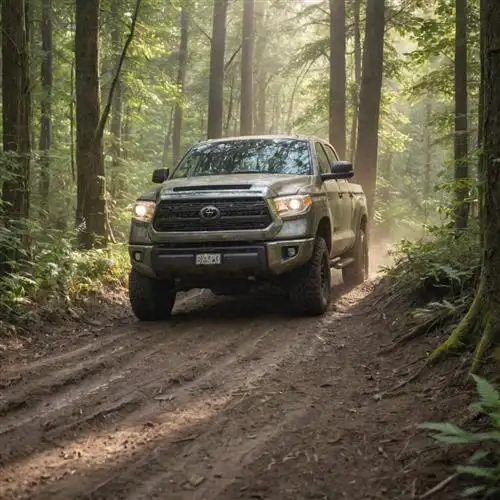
column 91, row 190
column 261, row 74
column 428, row 158
column 357, row 77
column 480, row 120
column 181, row 77
column 230, row 104
column 216, row 84
column 337, row 76
column 117, row 105
column 369, row 100
column 461, row 135
column 481, row 325
column 46, row 107
column 167, row 140
column 16, row 96
column 246, row 102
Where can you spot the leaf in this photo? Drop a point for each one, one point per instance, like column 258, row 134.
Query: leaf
column 489, row 395
column 479, row 455
column 444, row 427
column 487, row 472
column 472, row 490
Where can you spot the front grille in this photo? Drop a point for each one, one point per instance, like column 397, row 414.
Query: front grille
column 235, row 214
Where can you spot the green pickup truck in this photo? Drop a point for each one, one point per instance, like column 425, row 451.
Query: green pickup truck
column 239, row 212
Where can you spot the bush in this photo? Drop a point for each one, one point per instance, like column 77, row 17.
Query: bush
column 56, row 272
column 484, row 463
column 439, row 264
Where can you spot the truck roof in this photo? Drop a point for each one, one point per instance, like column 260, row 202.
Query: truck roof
column 254, row 137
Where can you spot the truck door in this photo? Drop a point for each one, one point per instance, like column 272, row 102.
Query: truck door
column 346, row 202
column 333, row 193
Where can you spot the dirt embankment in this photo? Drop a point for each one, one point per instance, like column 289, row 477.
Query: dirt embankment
column 231, row 399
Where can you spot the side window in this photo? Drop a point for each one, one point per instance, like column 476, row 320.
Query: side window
column 324, row 164
column 332, row 155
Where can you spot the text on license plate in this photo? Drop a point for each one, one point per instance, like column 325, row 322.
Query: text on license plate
column 208, row 259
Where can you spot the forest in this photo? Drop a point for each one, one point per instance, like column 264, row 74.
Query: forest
column 95, row 95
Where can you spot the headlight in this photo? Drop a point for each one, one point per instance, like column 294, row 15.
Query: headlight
column 292, row 206
column 144, row 210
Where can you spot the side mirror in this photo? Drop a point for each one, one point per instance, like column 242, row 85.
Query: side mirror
column 339, row 170
column 160, row 175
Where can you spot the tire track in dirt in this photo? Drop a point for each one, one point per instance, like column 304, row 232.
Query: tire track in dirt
column 203, row 363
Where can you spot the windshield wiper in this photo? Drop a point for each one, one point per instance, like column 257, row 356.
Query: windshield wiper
column 249, row 172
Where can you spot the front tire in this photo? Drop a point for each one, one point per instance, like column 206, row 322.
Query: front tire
column 356, row 273
column 310, row 288
column 150, row 299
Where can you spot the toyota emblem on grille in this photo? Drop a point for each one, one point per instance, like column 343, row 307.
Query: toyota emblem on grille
column 209, row 213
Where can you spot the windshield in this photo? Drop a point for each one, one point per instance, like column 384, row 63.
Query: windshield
column 263, row 156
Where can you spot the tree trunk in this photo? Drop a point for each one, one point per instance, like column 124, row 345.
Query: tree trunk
column 246, row 102
column 261, row 83
column 428, row 158
column 230, row 104
column 337, row 76
column 46, row 107
column 117, row 105
column 481, row 325
column 480, row 120
column 91, row 190
column 16, row 97
column 216, row 84
column 369, row 100
column 461, row 136
column 357, row 77
column 181, row 77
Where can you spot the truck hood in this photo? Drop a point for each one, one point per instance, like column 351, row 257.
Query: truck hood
column 262, row 184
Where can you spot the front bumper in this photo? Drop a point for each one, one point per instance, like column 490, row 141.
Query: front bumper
column 238, row 260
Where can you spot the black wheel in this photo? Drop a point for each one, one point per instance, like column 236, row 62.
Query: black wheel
column 357, row 272
column 151, row 300
column 310, row 287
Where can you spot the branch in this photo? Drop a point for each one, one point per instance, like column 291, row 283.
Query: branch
column 104, row 117
column 199, row 28
column 235, row 53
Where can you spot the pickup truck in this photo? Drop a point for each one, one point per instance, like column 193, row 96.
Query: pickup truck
column 242, row 211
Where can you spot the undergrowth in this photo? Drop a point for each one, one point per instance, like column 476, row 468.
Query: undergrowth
column 438, row 265
column 55, row 274
column 484, row 462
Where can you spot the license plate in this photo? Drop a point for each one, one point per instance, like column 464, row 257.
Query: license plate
column 208, row 259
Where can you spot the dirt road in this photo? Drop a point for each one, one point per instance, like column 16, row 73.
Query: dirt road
column 231, row 399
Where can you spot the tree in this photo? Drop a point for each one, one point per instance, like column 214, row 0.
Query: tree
column 91, row 189
column 461, row 135
column 481, row 325
column 16, row 97
column 216, row 83
column 246, row 102
column 46, row 106
column 369, row 100
column 261, row 73
column 356, row 6
column 117, row 103
column 181, row 77
column 337, row 76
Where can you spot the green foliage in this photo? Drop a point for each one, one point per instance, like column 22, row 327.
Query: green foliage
column 484, row 463
column 56, row 274
column 439, row 263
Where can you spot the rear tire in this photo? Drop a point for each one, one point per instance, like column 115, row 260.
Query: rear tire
column 357, row 272
column 310, row 287
column 150, row 299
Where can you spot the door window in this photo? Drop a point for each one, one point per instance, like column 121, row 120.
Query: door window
column 324, row 164
column 330, row 153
